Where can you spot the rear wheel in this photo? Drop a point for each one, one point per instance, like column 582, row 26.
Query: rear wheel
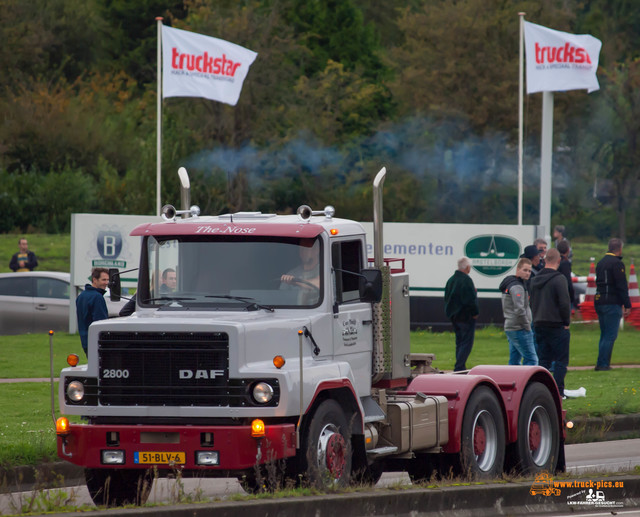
column 326, row 448
column 483, row 437
column 538, row 431
column 117, row 487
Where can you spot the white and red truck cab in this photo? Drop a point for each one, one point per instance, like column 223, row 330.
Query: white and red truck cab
column 280, row 345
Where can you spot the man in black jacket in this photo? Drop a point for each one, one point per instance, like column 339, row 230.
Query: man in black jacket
column 461, row 307
column 551, row 309
column 612, row 292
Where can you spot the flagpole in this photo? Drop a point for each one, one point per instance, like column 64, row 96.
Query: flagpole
column 546, row 159
column 520, row 120
column 159, row 118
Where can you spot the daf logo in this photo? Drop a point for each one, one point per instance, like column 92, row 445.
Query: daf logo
column 492, row 255
column 200, row 374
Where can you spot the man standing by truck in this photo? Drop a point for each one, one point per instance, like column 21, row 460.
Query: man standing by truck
column 90, row 305
column 612, row 292
column 551, row 309
column 517, row 315
column 461, row 307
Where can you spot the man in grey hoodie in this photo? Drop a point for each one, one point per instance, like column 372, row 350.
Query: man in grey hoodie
column 551, row 309
column 517, row 315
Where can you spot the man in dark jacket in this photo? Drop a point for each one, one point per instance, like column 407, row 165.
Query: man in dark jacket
column 24, row 260
column 565, row 267
column 461, row 307
column 612, row 292
column 551, row 309
column 90, row 305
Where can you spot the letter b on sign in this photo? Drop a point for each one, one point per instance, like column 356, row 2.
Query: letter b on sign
column 109, row 244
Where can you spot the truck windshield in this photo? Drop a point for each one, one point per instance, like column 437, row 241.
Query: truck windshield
column 230, row 273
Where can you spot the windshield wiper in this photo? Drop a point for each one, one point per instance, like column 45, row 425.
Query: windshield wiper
column 251, row 302
column 168, row 299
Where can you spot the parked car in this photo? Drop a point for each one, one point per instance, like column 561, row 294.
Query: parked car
column 38, row 301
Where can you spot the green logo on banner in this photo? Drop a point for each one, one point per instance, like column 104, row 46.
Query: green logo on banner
column 492, row 255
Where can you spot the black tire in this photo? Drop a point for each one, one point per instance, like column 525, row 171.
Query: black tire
column 482, row 449
column 367, row 476
column 325, row 455
column 118, row 487
column 538, row 442
column 422, row 468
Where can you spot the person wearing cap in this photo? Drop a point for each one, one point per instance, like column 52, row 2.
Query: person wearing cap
column 612, row 293
column 531, row 252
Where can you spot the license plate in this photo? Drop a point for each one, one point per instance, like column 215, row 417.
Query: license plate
column 159, row 458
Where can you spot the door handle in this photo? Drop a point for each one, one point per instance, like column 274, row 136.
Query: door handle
column 41, row 307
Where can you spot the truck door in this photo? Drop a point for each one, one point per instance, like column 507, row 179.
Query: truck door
column 353, row 325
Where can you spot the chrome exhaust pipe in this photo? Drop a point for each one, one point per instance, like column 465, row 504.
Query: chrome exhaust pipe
column 378, row 246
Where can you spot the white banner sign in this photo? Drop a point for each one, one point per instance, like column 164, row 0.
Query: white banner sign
column 559, row 61
column 195, row 65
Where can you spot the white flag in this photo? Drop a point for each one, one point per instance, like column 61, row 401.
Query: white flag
column 559, row 61
column 195, row 65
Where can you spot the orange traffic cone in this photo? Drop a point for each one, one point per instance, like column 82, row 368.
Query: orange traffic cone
column 634, row 296
column 587, row 309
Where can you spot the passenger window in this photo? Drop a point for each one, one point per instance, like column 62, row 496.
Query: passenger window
column 52, row 288
column 346, row 257
column 16, row 286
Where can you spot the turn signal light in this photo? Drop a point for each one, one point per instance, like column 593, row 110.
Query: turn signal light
column 257, row 428
column 62, row 425
column 72, row 360
column 334, row 231
column 278, row 361
column 569, row 424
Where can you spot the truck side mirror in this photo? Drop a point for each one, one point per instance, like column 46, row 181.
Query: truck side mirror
column 115, row 289
column 370, row 285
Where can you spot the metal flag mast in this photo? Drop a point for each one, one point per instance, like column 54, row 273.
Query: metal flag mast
column 159, row 119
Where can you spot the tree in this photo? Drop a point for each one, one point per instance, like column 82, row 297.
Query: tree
column 618, row 128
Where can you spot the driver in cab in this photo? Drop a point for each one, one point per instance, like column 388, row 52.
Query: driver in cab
column 306, row 276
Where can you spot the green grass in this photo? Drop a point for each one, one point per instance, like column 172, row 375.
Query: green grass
column 583, row 251
column 52, row 251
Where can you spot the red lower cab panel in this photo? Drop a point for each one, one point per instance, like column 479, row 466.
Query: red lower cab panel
column 139, row 446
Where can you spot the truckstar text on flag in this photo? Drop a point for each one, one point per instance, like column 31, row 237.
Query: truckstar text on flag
column 559, row 61
column 195, row 65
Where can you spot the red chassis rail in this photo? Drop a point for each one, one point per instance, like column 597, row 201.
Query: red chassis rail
column 237, row 449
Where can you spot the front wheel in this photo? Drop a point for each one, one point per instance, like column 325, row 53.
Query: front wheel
column 118, row 487
column 326, row 448
column 483, row 437
column 538, row 431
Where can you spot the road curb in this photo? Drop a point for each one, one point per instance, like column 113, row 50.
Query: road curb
column 481, row 500
column 605, row 428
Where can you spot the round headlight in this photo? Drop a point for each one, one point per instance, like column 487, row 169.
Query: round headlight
column 75, row 391
column 262, row 393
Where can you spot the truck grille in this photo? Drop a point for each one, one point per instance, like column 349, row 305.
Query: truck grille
column 166, row 369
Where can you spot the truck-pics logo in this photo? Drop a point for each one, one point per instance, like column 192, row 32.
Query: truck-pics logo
column 492, row 255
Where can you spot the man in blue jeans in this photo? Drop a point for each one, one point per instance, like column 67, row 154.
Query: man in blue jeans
column 612, row 292
column 517, row 315
column 461, row 307
column 551, row 308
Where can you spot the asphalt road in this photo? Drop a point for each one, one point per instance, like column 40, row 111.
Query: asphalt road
column 583, row 460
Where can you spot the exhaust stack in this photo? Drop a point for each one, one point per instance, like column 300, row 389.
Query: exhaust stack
column 378, row 245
